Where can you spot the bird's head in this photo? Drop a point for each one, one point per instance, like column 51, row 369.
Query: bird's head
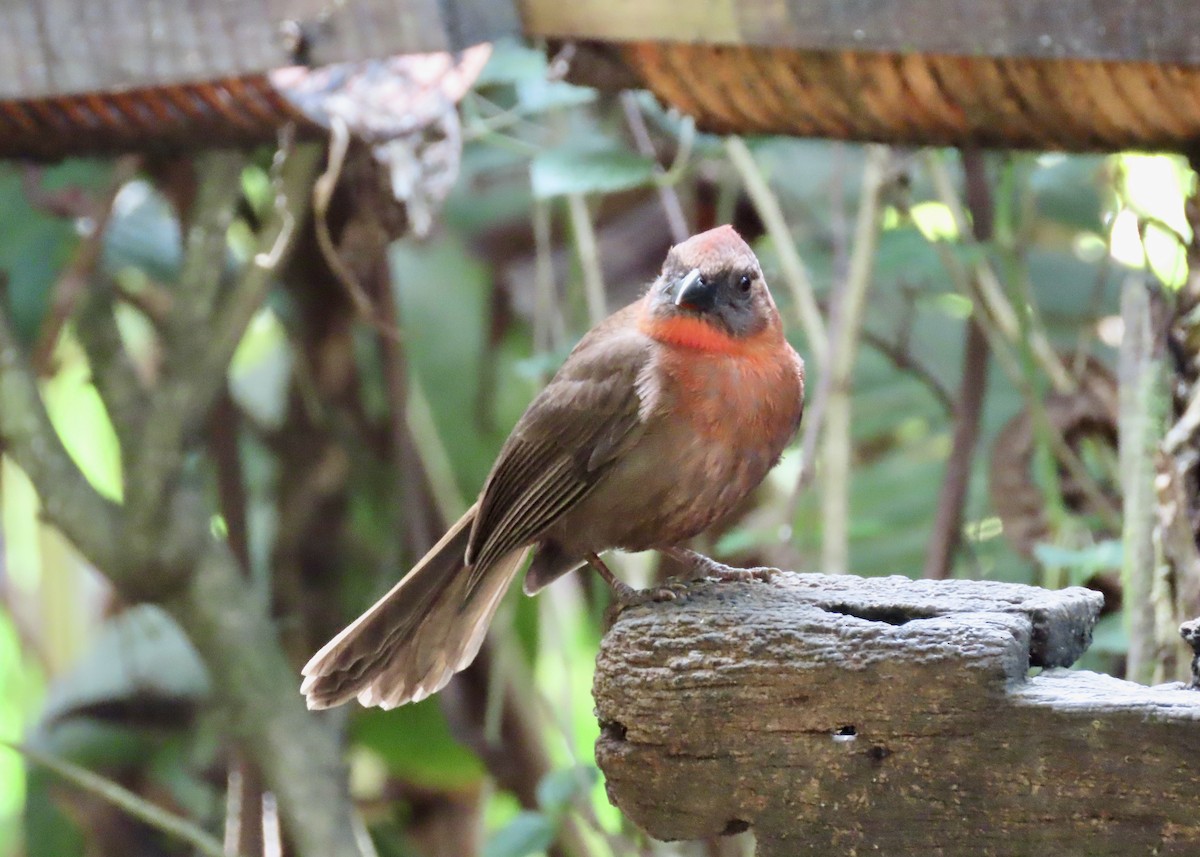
column 713, row 278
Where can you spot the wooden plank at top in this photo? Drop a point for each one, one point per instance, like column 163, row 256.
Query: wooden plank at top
column 62, row 47
column 1160, row 31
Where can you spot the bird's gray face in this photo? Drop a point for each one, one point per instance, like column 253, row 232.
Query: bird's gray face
column 733, row 299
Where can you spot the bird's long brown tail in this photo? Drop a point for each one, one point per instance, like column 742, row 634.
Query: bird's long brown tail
column 428, row 627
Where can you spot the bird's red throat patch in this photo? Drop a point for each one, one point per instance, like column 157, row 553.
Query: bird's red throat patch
column 687, row 331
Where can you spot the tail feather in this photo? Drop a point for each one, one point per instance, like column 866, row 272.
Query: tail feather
column 413, row 639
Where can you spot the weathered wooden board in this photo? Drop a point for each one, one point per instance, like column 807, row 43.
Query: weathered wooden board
column 1164, row 31
column 61, row 47
column 839, row 715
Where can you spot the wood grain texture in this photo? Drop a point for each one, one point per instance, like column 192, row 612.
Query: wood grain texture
column 1131, row 30
column 862, row 716
column 61, row 47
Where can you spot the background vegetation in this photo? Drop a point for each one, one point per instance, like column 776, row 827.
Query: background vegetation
column 961, row 317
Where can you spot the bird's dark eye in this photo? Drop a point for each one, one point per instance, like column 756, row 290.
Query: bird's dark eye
column 744, row 283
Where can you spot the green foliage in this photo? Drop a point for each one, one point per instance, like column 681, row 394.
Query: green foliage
column 415, row 745
column 531, row 832
column 558, row 172
column 35, row 243
column 1080, row 564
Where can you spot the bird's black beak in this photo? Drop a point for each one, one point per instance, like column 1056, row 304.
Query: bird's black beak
column 695, row 292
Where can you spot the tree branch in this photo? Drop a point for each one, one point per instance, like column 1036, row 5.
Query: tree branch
column 845, row 322
column 794, row 273
column 199, row 346
column 26, row 433
column 947, row 522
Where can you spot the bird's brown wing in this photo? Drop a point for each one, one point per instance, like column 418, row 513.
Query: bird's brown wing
column 585, row 417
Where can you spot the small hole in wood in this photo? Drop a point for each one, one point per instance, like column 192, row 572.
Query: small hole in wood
column 613, row 731
column 735, row 826
column 845, row 734
column 890, row 615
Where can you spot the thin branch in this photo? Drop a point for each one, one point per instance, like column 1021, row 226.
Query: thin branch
column 968, row 410
column 794, row 273
column 200, row 350
column 903, row 360
column 143, row 810
column 79, row 272
column 846, row 321
column 666, row 193
column 1139, row 428
column 545, row 329
column 589, row 257
column 984, row 287
column 339, row 145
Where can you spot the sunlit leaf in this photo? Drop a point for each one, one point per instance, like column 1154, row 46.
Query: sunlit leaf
column 81, row 420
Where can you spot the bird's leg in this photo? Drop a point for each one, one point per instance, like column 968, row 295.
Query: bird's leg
column 627, row 595
column 705, row 567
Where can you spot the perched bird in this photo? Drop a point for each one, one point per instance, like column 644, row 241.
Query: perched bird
column 662, row 419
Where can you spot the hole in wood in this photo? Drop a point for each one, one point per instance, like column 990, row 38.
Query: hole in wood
column 890, row 615
column 845, row 734
column 735, row 826
column 613, row 731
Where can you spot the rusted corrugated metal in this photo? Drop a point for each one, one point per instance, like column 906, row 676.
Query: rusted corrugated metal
column 927, row 99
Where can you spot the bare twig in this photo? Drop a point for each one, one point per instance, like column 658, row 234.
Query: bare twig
column 143, row 810
column 544, row 303
column 322, row 194
column 1002, row 327
column 666, row 194
column 902, row 359
column 846, row 320
column 984, row 287
column 794, row 272
column 947, row 523
column 74, row 279
column 589, row 257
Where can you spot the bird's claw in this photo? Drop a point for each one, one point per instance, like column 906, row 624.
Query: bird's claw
column 628, row 596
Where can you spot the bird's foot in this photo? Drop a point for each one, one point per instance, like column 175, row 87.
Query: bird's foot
column 707, row 568
column 628, row 596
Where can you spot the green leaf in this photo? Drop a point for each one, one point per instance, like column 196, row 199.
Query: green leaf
column 1067, row 190
column 558, row 789
column 557, row 172
column 541, row 95
column 529, row 833
column 82, row 421
column 512, row 62
column 415, row 744
column 34, row 244
column 1082, row 563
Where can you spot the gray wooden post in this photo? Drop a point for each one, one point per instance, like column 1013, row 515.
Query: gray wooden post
column 840, row 716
